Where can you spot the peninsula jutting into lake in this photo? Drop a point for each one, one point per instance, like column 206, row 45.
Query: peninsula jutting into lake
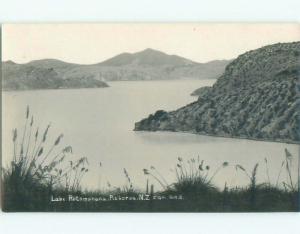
column 257, row 97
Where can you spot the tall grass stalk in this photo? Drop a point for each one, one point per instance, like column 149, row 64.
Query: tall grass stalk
column 159, row 174
column 288, row 164
column 24, row 132
column 34, row 168
column 147, row 172
column 279, row 173
column 29, row 138
column 267, row 171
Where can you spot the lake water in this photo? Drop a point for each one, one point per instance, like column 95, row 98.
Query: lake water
column 99, row 123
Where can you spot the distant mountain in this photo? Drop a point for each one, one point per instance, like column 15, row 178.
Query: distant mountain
column 151, row 64
column 257, row 97
column 147, row 57
column 148, row 64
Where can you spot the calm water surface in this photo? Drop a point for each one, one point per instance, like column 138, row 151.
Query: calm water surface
column 99, row 123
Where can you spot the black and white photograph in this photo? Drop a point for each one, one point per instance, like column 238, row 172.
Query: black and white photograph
column 150, row 117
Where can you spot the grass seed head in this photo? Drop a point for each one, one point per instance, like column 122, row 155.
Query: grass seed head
column 201, row 166
column 15, row 135
column 31, row 122
column 239, row 167
column 67, row 149
column 146, row 172
column 45, row 133
column 40, row 151
column 288, row 155
column 58, row 139
column 36, row 134
column 27, row 112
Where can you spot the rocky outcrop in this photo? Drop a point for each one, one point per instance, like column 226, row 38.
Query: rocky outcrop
column 201, row 91
column 257, row 97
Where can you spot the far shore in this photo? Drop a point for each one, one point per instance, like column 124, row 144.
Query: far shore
column 24, row 90
column 107, row 82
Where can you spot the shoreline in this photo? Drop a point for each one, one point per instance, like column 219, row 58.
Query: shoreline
column 107, row 82
column 182, row 79
column 228, row 137
column 25, row 90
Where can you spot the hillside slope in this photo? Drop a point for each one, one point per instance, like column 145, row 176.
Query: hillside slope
column 41, row 75
column 257, row 97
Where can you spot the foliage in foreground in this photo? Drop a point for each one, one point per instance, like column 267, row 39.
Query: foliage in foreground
column 38, row 168
column 40, row 179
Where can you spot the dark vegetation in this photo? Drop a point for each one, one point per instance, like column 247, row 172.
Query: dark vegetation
column 40, row 172
column 257, row 97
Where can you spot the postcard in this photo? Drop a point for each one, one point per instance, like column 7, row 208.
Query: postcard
column 150, row 117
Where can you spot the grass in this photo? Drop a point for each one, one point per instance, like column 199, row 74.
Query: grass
column 38, row 168
column 43, row 176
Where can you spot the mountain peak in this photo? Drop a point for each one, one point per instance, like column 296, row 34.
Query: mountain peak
column 147, row 57
column 150, row 50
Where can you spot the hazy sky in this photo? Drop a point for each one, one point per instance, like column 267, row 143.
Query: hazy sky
column 93, row 43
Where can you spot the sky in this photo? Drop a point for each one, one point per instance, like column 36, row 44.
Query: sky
column 94, row 43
